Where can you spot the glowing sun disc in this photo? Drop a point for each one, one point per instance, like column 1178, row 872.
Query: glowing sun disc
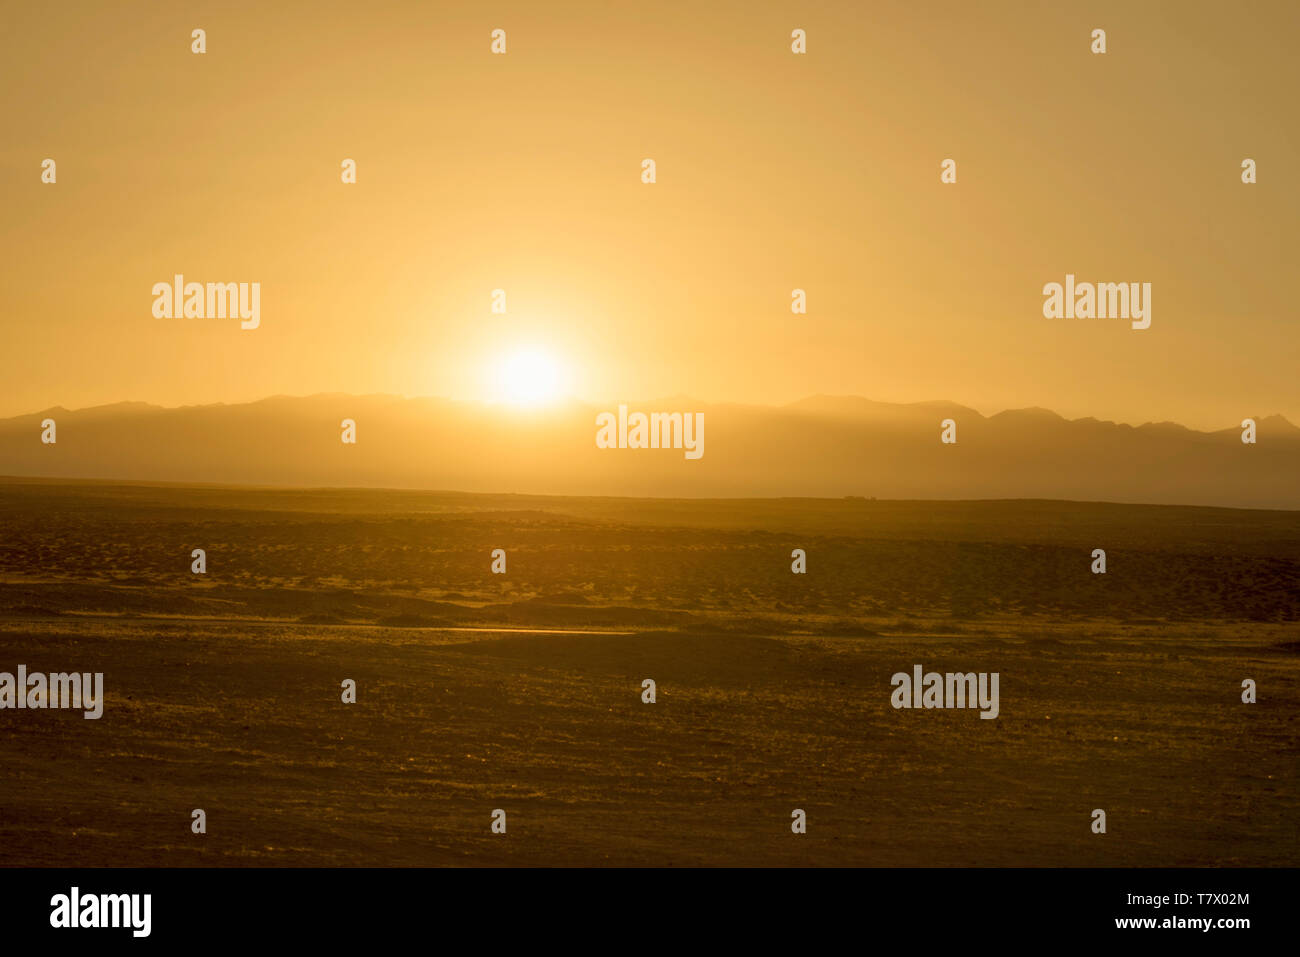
column 528, row 377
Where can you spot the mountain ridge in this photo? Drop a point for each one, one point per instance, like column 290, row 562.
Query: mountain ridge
column 663, row 402
column 821, row 446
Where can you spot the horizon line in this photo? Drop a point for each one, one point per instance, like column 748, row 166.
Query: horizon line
column 689, row 500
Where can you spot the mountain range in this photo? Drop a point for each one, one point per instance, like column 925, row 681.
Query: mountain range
column 822, row 446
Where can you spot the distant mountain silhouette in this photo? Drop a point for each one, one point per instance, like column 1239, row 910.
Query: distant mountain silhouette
column 819, row 446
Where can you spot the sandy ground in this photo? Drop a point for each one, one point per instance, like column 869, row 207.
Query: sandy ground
column 773, row 689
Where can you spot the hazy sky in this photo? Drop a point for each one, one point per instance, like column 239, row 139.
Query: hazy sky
column 775, row 171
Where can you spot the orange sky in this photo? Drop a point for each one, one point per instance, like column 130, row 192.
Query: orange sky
column 775, row 171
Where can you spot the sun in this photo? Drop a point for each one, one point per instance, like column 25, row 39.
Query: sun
column 528, row 376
